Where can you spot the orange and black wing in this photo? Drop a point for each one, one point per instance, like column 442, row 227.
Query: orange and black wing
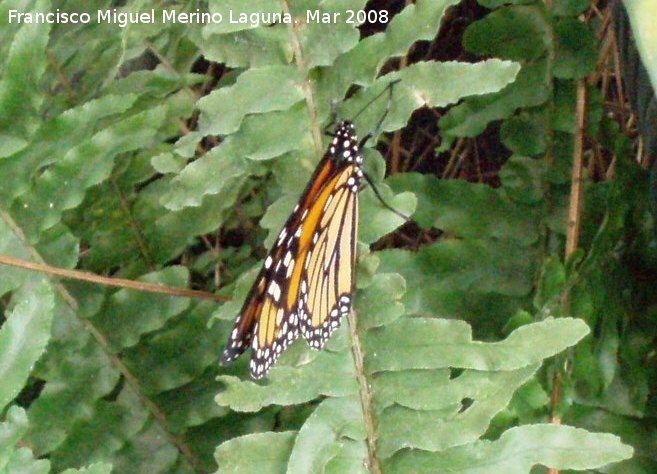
column 306, row 282
column 327, row 280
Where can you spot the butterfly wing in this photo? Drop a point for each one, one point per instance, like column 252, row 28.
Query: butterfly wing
column 328, row 279
column 264, row 323
column 314, row 252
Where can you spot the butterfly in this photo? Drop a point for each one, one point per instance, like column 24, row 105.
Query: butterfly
column 306, row 284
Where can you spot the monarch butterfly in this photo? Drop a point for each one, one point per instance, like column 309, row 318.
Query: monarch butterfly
column 306, row 284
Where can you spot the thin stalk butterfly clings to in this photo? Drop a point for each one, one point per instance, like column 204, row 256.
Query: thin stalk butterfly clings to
column 306, row 284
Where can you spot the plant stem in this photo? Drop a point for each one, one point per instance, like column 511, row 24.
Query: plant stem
column 373, row 463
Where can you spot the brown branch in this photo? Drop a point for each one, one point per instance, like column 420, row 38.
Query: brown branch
column 575, row 207
column 63, row 80
column 396, row 138
column 395, row 153
column 455, row 156
column 306, row 85
column 107, row 281
column 169, row 67
column 572, row 231
column 373, row 464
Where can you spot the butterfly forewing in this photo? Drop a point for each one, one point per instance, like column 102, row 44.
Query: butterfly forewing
column 306, row 282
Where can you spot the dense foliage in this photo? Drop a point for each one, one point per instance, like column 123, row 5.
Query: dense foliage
column 172, row 154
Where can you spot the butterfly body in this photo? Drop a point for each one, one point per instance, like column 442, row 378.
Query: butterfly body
column 306, row 283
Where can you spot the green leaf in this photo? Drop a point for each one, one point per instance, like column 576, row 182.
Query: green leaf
column 23, row 337
column 518, row 450
column 12, row 428
column 10, row 278
column 57, row 136
column 475, row 266
column 446, row 421
column 334, row 427
column 640, row 434
column 569, row 7
column 275, row 217
column 178, row 353
column 166, row 163
column 98, row 468
column 186, row 188
column 381, row 221
column 576, row 49
column 69, row 395
column 223, row 110
column 262, row 452
column 247, row 48
column 381, row 299
column 532, row 87
column 193, row 404
column 103, row 433
column 418, row 88
column 526, row 133
column 551, row 283
column 231, row 10
column 150, row 447
column 277, row 133
column 418, row 21
column 523, row 178
column 327, row 373
column 467, row 209
column 12, row 458
column 436, row 343
column 129, row 314
column 491, row 4
column 20, row 92
column 520, row 32
column 641, row 15
column 62, row 186
column 322, row 42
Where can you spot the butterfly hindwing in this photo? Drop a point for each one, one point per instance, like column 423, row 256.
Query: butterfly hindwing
column 328, row 279
column 265, row 322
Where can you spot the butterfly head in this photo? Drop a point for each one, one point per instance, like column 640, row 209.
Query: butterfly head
column 344, row 145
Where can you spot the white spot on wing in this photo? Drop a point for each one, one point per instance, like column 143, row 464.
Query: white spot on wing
column 274, row 290
column 283, row 234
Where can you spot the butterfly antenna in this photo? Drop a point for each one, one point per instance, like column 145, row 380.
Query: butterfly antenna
column 383, row 202
column 388, row 89
column 374, row 133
